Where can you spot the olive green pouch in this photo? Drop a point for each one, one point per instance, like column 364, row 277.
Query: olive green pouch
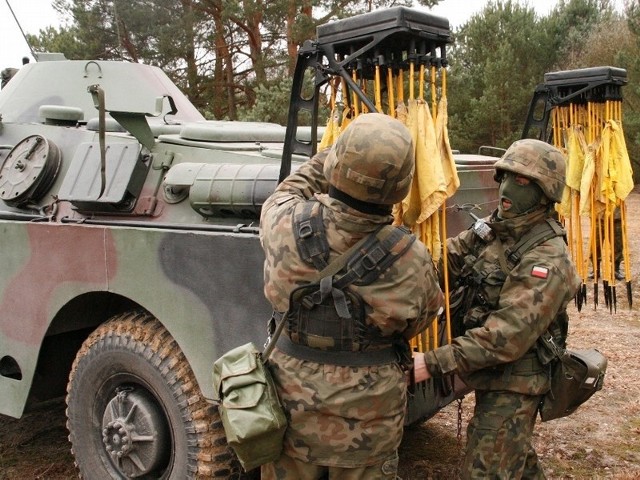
column 576, row 375
column 252, row 417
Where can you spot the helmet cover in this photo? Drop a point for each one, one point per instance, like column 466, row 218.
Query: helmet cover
column 372, row 160
column 537, row 160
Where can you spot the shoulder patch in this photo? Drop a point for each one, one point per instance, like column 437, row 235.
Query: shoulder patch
column 540, row 272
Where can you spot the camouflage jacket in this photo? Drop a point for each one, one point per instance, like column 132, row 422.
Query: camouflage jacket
column 343, row 416
column 510, row 311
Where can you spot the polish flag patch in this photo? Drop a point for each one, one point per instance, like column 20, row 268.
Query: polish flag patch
column 540, row 272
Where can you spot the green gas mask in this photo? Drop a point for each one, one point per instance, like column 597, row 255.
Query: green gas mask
column 518, row 195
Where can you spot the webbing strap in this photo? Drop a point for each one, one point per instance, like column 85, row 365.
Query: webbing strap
column 341, row 358
column 339, row 298
column 540, row 233
column 375, row 256
column 340, row 262
column 309, row 233
column 365, row 260
column 276, row 318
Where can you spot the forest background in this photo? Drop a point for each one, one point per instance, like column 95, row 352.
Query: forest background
column 235, row 59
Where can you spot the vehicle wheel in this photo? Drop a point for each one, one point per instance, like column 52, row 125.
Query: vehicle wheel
column 134, row 408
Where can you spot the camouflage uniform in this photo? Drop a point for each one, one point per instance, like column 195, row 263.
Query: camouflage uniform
column 497, row 354
column 346, row 421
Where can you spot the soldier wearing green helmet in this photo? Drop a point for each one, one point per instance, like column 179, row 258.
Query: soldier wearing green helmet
column 542, row 163
column 346, row 407
column 516, row 278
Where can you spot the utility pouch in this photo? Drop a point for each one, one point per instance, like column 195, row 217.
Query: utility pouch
column 326, row 319
column 251, row 413
column 575, row 376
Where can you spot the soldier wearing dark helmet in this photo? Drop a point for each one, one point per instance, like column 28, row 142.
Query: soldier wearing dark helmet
column 346, row 408
column 520, row 278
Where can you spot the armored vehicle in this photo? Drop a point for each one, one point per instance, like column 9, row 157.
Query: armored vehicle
column 130, row 257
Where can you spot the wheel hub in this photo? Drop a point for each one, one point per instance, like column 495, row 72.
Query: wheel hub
column 135, row 433
column 117, row 438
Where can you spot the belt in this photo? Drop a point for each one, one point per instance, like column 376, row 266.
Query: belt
column 344, row 359
column 527, row 365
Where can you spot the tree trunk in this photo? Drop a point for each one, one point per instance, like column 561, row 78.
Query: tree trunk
column 253, row 11
column 223, row 68
column 193, row 90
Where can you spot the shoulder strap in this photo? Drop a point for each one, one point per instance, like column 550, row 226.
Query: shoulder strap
column 369, row 258
column 365, row 261
column 278, row 318
column 540, row 233
column 376, row 256
column 361, row 264
column 308, row 230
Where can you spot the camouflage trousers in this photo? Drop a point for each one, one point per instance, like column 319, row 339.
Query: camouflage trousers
column 288, row 468
column 499, row 437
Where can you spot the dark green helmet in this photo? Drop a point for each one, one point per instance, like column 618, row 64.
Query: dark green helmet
column 372, row 160
column 541, row 162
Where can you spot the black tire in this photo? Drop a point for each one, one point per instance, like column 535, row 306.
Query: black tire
column 134, row 408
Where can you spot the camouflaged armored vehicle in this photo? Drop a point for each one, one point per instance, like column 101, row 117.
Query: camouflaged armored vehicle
column 130, row 259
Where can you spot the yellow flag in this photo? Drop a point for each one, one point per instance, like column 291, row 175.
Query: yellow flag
column 429, row 188
column 331, row 132
column 589, row 179
column 617, row 172
column 431, row 183
column 449, row 169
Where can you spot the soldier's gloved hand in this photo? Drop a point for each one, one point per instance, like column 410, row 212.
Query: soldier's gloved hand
column 420, row 372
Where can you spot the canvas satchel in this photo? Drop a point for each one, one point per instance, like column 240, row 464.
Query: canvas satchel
column 575, row 376
column 252, row 416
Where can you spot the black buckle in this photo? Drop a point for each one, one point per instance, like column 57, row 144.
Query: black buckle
column 305, row 230
column 371, row 260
